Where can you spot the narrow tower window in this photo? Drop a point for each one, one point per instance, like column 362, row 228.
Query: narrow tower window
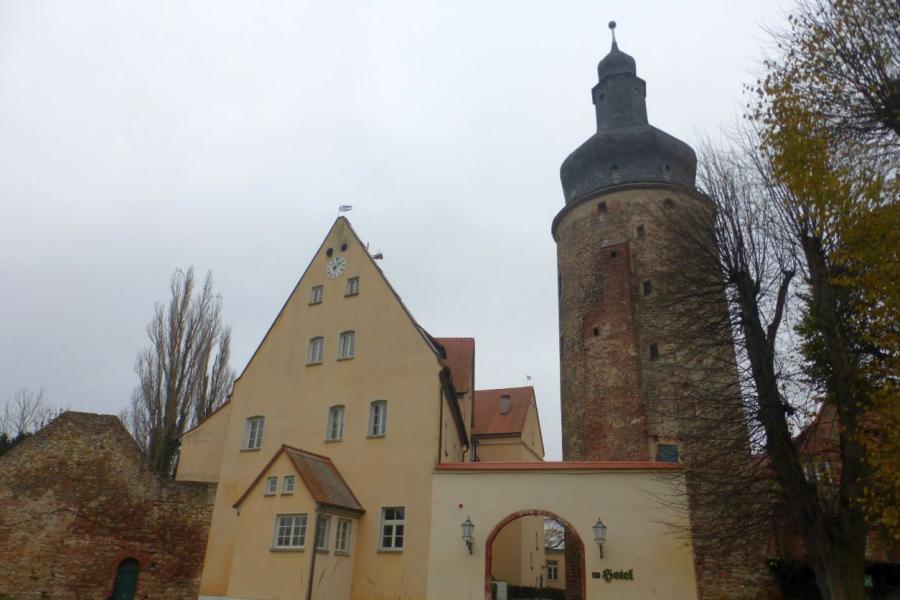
column 601, row 208
column 641, row 232
column 654, row 352
column 648, row 287
column 613, row 254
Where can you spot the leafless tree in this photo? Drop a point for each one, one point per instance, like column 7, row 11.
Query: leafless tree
column 749, row 265
column 554, row 534
column 183, row 374
column 23, row 414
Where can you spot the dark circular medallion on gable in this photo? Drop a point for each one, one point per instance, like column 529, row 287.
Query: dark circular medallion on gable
column 329, row 252
column 343, row 247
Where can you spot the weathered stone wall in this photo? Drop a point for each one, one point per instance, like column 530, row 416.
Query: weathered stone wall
column 623, row 368
column 77, row 498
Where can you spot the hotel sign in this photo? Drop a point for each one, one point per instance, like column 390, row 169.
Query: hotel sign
column 608, row 575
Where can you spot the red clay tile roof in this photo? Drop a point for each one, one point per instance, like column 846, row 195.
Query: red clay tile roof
column 489, row 421
column 460, row 360
column 319, row 475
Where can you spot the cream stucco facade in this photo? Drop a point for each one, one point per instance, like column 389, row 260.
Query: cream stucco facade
column 409, row 472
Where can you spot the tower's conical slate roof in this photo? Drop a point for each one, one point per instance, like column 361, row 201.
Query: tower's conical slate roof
column 626, row 148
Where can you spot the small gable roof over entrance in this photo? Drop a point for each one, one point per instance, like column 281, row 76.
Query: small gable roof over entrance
column 322, row 479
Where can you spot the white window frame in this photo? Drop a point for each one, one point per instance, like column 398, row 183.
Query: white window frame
column 271, row 486
column 294, row 530
column 285, row 488
column 393, row 524
column 253, row 432
column 352, row 286
column 334, row 428
column 315, row 353
column 316, row 293
column 378, row 418
column 343, row 531
column 552, row 570
column 323, row 524
column 347, row 345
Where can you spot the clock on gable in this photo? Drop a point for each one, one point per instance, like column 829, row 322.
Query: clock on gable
column 335, row 267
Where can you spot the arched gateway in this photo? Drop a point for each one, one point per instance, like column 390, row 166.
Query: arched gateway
column 642, row 556
column 533, row 512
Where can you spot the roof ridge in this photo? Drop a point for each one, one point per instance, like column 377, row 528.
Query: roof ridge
column 307, row 452
column 522, row 387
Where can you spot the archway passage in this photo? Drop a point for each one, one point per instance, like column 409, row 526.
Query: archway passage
column 126, row 580
column 575, row 586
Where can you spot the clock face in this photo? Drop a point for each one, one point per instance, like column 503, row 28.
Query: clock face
column 335, row 267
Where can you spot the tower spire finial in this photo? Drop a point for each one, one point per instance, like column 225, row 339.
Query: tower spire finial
column 612, row 28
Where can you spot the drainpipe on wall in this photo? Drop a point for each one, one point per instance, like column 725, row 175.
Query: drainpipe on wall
column 312, row 560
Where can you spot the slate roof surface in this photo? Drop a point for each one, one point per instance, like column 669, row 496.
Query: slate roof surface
column 489, row 421
column 460, row 360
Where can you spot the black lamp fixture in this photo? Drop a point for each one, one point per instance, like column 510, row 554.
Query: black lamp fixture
column 600, row 535
column 467, row 528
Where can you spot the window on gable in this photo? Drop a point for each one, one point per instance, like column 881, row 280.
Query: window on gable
column 347, row 345
column 322, row 525
column 377, row 418
column 287, row 487
column 253, row 432
column 316, row 351
column 335, row 430
column 352, row 286
column 271, row 486
column 290, row 532
column 342, row 539
column 315, row 294
column 393, row 525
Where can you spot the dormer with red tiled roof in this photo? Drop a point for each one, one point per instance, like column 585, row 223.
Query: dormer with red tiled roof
column 507, row 426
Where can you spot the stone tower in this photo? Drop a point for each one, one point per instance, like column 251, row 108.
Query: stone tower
column 626, row 380
column 622, row 186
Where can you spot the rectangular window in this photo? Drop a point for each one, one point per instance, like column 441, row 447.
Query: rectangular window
column 315, row 294
column 323, row 522
column 393, row 523
column 378, row 418
column 316, row 351
column 347, row 345
column 271, row 486
column 648, row 287
column 335, row 429
column 553, row 570
column 667, row 453
column 288, row 486
column 654, row 351
column 290, row 531
column 253, row 432
column 352, row 286
column 641, row 232
column 342, row 540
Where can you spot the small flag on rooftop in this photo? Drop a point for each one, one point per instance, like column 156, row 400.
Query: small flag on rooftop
column 345, row 208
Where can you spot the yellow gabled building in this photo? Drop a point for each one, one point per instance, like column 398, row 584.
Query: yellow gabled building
column 344, row 372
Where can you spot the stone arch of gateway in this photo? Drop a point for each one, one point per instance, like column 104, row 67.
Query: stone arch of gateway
column 637, row 501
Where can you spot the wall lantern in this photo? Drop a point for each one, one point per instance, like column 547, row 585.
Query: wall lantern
column 467, row 528
column 600, row 535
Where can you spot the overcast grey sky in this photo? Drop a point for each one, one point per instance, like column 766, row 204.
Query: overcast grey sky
column 140, row 136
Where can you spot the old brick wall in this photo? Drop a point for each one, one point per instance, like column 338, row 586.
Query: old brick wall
column 77, row 498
